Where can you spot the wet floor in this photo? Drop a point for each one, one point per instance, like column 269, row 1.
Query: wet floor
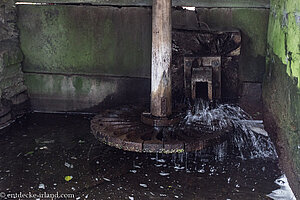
column 57, row 153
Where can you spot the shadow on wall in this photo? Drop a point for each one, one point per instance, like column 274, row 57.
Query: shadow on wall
column 281, row 115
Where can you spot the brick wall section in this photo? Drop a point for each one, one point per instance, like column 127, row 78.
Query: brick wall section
column 13, row 93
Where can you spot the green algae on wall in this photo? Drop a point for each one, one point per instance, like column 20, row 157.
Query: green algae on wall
column 284, row 34
column 113, row 41
column 89, row 40
column 281, row 88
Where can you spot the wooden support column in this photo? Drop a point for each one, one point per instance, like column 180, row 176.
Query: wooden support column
column 161, row 89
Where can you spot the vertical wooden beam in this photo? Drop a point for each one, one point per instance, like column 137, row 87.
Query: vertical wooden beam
column 161, row 89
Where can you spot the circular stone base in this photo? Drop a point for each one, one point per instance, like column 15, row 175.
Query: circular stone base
column 122, row 128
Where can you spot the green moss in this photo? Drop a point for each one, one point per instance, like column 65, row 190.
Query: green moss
column 60, row 45
column 78, row 83
column 90, row 40
column 43, row 84
column 284, row 35
column 82, row 85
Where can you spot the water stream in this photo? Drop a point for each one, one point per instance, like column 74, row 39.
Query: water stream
column 249, row 139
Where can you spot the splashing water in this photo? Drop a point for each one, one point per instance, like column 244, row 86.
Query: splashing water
column 249, row 138
column 284, row 192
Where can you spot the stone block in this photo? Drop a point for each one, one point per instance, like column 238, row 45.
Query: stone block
column 9, row 55
column 8, row 19
column 17, row 88
column 10, row 72
column 11, row 83
column 19, row 98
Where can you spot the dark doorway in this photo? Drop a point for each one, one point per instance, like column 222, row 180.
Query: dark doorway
column 202, row 90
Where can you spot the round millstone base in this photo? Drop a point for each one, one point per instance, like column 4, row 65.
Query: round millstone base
column 123, row 128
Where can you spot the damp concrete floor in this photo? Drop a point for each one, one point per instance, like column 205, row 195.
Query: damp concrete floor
column 56, row 154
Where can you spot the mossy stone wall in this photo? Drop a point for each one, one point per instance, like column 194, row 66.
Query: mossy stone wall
column 83, row 41
column 13, row 96
column 80, row 57
column 86, row 39
column 281, row 88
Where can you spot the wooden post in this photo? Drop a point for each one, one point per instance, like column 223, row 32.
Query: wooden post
column 161, row 89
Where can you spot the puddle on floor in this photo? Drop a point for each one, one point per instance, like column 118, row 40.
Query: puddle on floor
column 57, row 153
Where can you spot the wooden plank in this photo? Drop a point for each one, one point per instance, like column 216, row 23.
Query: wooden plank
column 194, row 3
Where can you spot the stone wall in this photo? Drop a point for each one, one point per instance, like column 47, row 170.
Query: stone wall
column 13, row 95
column 80, row 42
column 281, row 88
column 85, row 58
